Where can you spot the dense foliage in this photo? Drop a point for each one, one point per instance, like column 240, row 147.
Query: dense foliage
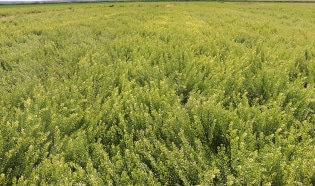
column 157, row 94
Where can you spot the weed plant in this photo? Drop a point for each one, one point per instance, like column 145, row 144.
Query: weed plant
column 157, row 94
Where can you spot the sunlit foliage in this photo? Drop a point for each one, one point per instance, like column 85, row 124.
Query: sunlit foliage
column 157, row 94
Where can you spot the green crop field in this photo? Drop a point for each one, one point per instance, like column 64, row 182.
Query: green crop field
column 187, row 93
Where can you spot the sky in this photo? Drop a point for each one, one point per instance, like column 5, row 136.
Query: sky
column 22, row 0
column 8, row 1
column 26, row 0
column 18, row 0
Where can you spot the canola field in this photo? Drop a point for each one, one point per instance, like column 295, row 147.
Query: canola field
column 162, row 93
